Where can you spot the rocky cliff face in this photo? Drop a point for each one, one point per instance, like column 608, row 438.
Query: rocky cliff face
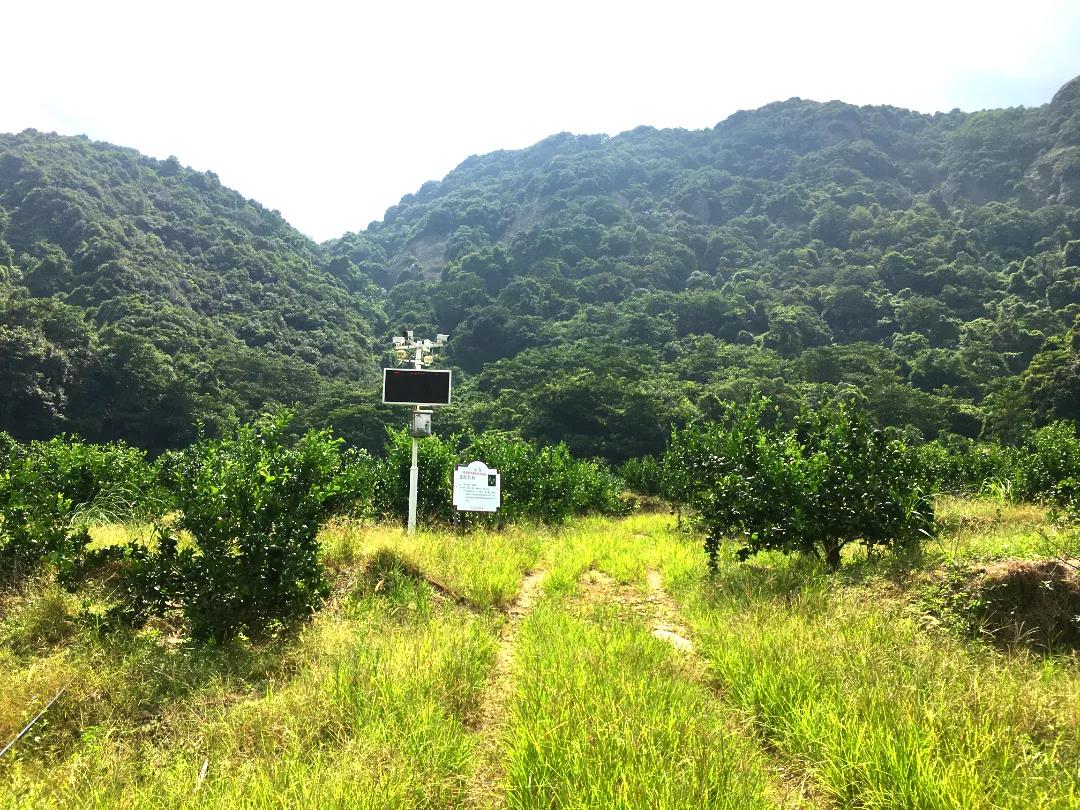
column 1054, row 177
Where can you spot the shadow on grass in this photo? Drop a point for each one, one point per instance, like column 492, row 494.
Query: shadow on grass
column 391, row 576
column 386, row 573
column 767, row 575
column 898, row 566
column 804, row 579
column 125, row 681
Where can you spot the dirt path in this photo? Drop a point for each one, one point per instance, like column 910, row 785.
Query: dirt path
column 793, row 787
column 484, row 790
column 655, row 607
column 665, row 624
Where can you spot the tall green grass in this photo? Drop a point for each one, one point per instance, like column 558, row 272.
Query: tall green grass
column 842, row 678
column 603, row 716
column 880, row 710
column 483, row 567
column 834, row 682
column 372, row 707
column 624, row 549
column 884, row 714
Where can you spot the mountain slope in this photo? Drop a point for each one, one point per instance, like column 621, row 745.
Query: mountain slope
column 597, row 289
column 173, row 282
column 796, row 248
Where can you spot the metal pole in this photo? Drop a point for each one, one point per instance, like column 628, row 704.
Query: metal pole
column 413, row 476
column 414, row 473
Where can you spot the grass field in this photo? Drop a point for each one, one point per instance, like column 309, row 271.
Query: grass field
column 593, row 666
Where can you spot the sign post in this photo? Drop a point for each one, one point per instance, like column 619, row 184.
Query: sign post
column 477, row 488
column 417, row 387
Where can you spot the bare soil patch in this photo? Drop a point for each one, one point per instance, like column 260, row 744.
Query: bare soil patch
column 654, row 606
column 665, row 625
column 388, row 567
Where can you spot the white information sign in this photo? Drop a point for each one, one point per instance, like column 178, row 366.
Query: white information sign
column 477, row 488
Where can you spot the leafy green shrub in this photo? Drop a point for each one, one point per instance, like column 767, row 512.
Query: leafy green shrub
column 1045, row 467
column 1050, row 464
column 544, row 484
column 680, row 466
column 436, row 460
column 959, row 464
column 644, row 475
column 253, row 503
column 8, row 447
column 154, row 579
column 51, row 491
column 833, row 479
column 355, row 484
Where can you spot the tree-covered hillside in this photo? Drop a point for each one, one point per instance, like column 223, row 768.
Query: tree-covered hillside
column 137, row 296
column 597, row 289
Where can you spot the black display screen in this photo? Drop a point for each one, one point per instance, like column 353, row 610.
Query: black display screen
column 416, row 387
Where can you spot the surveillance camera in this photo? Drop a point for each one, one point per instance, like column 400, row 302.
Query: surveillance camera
column 408, row 334
column 442, row 338
column 399, row 341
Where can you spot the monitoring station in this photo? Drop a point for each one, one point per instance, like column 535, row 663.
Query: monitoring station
column 419, row 387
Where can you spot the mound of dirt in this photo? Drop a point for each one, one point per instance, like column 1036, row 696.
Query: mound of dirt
column 384, row 571
column 1030, row 602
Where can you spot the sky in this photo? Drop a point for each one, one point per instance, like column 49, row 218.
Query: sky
column 331, row 111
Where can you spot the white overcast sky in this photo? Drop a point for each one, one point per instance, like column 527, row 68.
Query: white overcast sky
column 330, row 112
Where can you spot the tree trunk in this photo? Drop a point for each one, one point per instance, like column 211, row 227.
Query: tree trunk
column 832, row 555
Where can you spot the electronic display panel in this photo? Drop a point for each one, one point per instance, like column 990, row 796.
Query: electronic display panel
column 407, row 386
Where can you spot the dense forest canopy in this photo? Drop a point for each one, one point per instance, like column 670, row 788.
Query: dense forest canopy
column 597, row 289
column 139, row 296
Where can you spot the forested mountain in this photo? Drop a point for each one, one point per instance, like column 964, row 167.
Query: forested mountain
column 597, row 289
column 141, row 296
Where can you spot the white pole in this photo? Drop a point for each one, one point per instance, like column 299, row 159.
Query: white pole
column 413, row 476
column 414, row 472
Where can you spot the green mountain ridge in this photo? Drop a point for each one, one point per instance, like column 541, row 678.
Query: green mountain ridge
column 142, row 291
column 597, row 289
